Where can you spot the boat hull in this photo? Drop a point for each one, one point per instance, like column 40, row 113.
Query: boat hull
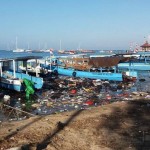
column 38, row 82
column 11, row 84
column 92, row 75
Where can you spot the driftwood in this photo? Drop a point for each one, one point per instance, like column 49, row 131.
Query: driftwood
column 16, row 109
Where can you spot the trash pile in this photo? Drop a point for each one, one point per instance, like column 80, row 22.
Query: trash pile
column 60, row 94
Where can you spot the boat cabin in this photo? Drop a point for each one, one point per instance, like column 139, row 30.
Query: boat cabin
column 11, row 77
column 95, row 64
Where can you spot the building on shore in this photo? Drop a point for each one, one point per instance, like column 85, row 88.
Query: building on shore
column 145, row 47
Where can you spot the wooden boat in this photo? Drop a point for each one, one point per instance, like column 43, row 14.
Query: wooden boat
column 134, row 66
column 136, row 62
column 12, row 78
column 104, row 68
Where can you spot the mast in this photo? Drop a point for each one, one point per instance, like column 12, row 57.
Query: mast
column 45, row 46
column 39, row 45
column 16, row 42
column 79, row 47
column 60, row 44
column 28, row 46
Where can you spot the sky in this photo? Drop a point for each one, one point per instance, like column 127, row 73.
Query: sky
column 74, row 24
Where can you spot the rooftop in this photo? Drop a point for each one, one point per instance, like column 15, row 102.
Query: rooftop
column 146, row 44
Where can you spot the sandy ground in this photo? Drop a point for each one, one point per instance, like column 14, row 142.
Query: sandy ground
column 118, row 126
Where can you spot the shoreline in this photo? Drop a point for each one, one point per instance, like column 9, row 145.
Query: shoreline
column 117, row 118
column 67, row 94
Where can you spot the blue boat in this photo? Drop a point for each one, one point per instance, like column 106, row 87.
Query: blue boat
column 104, row 68
column 93, row 75
column 139, row 62
column 135, row 66
column 13, row 78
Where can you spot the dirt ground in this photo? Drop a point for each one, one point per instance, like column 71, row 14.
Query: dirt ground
column 118, row 126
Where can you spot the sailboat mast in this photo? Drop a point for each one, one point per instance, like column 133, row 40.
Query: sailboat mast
column 28, row 46
column 60, row 44
column 16, row 42
column 79, row 47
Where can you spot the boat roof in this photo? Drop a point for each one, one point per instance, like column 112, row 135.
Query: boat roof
column 103, row 55
column 100, row 61
column 24, row 58
column 105, row 61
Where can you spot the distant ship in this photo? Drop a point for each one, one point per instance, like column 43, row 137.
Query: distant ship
column 18, row 50
column 87, row 51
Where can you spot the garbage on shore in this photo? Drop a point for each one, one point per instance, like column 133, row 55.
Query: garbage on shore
column 65, row 94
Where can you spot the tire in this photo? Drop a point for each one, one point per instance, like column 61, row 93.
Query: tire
column 74, row 74
column 56, row 72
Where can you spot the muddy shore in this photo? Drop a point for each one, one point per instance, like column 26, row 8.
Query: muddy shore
column 116, row 126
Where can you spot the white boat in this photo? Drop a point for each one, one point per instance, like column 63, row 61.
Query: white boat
column 12, row 78
column 18, row 50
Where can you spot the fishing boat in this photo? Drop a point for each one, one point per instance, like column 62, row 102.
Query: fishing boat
column 135, row 66
column 87, row 51
column 11, row 77
column 39, row 67
column 31, row 66
column 104, row 68
column 71, row 52
column 140, row 61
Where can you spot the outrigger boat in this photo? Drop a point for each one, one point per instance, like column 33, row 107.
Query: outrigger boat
column 11, row 77
column 135, row 66
column 104, row 68
column 39, row 67
column 137, row 62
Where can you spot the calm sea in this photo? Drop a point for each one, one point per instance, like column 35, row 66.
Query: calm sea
column 11, row 54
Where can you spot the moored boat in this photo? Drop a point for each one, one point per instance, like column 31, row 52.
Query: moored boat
column 18, row 50
column 140, row 61
column 135, row 66
column 12, row 78
column 104, row 68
